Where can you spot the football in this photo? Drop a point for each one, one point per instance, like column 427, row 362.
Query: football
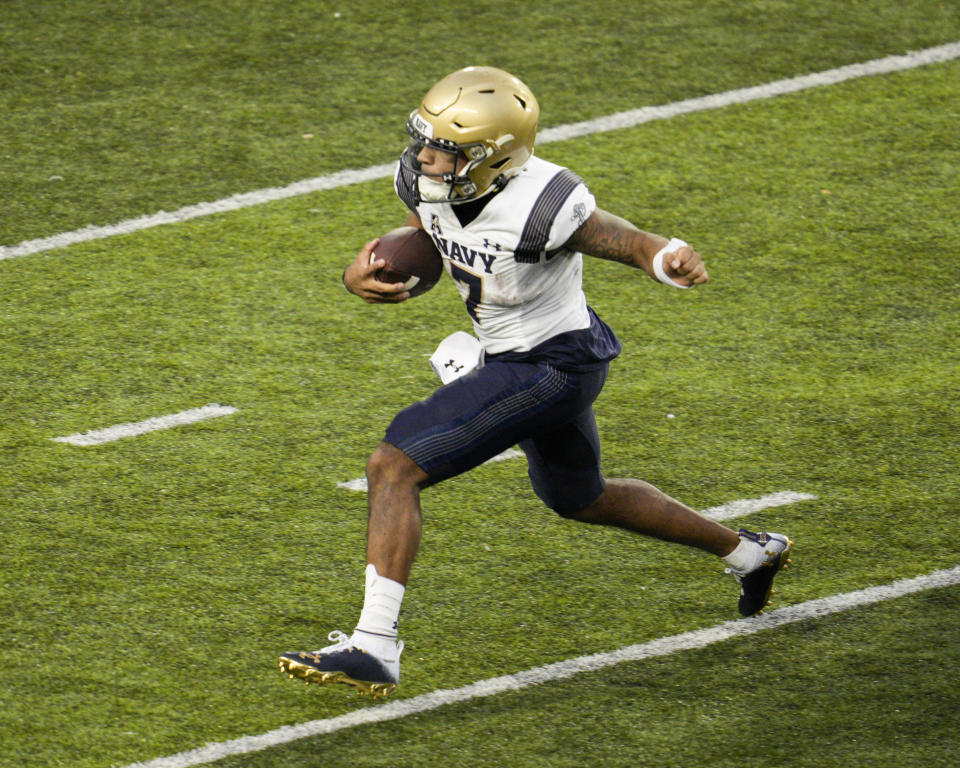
column 410, row 258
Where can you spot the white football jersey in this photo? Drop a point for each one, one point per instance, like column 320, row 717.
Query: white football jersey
column 520, row 286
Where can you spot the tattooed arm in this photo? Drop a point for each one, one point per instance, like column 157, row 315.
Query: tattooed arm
column 606, row 236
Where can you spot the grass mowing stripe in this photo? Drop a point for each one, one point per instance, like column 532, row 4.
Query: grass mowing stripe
column 132, row 429
column 616, row 121
column 663, row 646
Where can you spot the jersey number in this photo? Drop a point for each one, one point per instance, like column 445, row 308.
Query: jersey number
column 474, row 285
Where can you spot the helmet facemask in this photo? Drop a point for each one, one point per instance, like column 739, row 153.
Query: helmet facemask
column 450, row 187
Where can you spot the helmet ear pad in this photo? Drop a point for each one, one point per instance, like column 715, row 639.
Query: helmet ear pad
column 486, row 115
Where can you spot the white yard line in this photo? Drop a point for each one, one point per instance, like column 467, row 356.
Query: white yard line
column 613, row 122
column 664, row 646
column 749, row 506
column 634, row 117
column 131, row 429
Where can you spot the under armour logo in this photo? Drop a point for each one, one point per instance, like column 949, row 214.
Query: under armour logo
column 491, row 246
column 451, row 363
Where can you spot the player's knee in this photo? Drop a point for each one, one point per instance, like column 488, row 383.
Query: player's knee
column 389, row 465
column 565, row 505
column 571, row 505
column 567, row 511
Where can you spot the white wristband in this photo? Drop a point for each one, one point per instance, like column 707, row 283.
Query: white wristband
column 674, row 245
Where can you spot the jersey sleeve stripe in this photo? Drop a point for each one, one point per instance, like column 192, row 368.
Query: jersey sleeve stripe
column 536, row 231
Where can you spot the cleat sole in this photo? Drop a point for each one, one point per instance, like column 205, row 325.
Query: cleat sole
column 310, row 675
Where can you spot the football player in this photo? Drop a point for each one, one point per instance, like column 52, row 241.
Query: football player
column 512, row 229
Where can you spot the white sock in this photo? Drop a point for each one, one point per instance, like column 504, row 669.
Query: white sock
column 381, row 611
column 747, row 556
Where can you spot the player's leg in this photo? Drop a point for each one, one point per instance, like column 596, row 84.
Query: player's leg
column 564, row 466
column 753, row 558
column 462, row 425
column 369, row 659
column 394, row 522
column 640, row 507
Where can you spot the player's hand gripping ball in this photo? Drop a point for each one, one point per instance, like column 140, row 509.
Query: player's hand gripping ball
column 410, row 258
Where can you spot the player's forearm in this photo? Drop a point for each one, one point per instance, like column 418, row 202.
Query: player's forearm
column 606, row 236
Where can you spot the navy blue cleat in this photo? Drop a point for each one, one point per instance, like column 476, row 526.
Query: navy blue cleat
column 756, row 585
column 347, row 663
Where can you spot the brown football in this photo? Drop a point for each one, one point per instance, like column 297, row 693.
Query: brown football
column 410, row 258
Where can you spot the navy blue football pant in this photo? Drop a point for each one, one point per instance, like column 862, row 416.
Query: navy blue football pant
column 548, row 412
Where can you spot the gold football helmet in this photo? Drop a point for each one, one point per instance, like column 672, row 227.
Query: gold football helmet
column 484, row 115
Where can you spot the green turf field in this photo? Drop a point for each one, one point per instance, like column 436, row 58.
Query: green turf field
column 148, row 584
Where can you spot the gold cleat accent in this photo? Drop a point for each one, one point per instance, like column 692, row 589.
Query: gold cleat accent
column 310, row 675
column 381, row 690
